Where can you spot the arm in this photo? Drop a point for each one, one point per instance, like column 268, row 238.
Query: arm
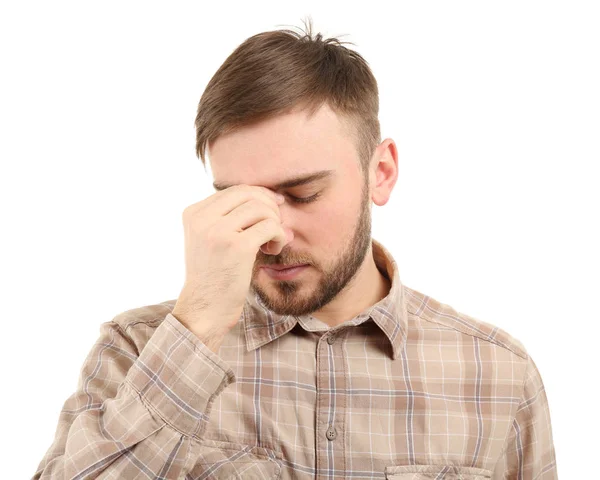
column 529, row 450
column 137, row 416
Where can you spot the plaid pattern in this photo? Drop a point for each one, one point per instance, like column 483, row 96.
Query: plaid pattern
column 408, row 389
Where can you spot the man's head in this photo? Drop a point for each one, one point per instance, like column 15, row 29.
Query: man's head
column 284, row 106
column 274, row 72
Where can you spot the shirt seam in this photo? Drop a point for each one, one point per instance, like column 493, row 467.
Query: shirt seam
column 486, row 339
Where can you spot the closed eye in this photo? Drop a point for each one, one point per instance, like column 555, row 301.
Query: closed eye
column 310, row 199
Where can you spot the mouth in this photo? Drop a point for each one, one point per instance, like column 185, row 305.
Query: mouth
column 285, row 272
column 283, row 267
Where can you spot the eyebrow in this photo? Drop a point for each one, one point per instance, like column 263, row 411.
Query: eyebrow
column 290, row 182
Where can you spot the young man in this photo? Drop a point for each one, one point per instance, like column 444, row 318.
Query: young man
column 294, row 350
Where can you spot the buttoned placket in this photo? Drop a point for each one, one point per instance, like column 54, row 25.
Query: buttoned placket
column 330, row 412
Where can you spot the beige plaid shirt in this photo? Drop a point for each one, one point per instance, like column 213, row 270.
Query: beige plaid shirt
column 408, row 389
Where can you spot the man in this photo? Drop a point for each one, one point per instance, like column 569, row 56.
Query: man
column 293, row 350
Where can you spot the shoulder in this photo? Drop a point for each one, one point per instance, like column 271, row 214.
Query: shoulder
column 427, row 309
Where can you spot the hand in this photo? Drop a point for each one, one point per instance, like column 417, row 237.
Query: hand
column 223, row 233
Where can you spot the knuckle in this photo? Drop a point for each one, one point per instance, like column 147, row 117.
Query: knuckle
column 188, row 212
column 243, row 187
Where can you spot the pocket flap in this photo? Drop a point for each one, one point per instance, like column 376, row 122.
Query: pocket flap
column 438, row 472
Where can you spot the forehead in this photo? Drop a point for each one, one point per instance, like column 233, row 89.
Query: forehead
column 281, row 148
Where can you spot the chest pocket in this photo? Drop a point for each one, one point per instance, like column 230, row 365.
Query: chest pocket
column 226, row 460
column 437, row 472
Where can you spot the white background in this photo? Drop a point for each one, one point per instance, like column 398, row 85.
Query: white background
column 494, row 109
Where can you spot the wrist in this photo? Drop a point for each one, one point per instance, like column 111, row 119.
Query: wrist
column 210, row 335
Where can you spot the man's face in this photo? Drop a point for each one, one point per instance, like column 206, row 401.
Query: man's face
column 333, row 233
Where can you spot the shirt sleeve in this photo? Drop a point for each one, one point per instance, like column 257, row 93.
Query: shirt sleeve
column 529, row 450
column 136, row 416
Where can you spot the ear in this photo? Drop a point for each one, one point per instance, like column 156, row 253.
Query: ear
column 384, row 171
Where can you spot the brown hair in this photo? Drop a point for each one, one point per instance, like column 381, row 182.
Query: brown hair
column 277, row 71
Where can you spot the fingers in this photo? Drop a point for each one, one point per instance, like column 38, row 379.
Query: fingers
column 275, row 246
column 246, row 215
column 227, row 200
column 268, row 235
column 239, row 208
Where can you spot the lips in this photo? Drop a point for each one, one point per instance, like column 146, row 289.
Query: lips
column 283, row 267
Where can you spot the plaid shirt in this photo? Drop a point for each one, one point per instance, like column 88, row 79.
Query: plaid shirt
column 407, row 389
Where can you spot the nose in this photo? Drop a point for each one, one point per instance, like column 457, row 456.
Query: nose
column 286, row 221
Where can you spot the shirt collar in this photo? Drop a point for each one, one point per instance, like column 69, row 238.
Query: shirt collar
column 262, row 325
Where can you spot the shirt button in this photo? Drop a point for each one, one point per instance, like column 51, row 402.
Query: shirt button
column 331, row 339
column 331, row 433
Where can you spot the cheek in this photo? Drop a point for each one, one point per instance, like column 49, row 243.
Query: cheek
column 329, row 223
